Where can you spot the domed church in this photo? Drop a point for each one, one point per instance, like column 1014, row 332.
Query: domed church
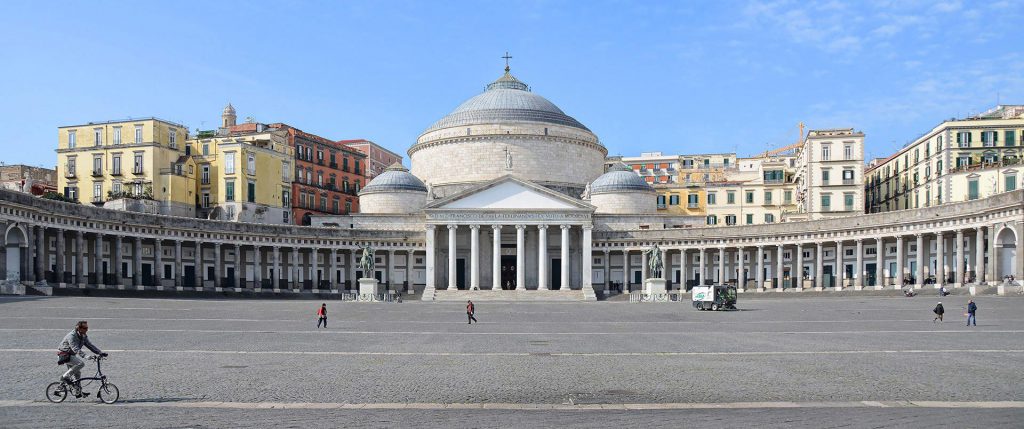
column 508, row 189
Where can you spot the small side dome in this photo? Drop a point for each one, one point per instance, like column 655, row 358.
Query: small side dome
column 619, row 178
column 394, row 178
column 229, row 109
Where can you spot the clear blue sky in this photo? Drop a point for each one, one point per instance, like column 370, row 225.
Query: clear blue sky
column 677, row 77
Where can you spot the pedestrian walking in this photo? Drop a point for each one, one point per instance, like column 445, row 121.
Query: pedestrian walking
column 938, row 312
column 470, row 311
column 321, row 316
column 971, row 309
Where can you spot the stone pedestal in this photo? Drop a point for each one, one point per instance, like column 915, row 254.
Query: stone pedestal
column 370, row 286
column 654, row 286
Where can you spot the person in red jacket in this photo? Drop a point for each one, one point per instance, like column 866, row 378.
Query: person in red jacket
column 470, row 310
column 321, row 316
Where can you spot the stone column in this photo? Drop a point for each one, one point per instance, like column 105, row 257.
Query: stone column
column 721, row 265
column 117, row 257
column 158, row 270
column 294, row 269
column 452, row 229
column 61, row 255
column 199, row 271
column 353, row 281
column 625, row 270
column 778, row 268
column 940, row 259
column 276, row 278
column 408, row 271
column 80, row 264
column 587, row 277
column 474, row 257
column 921, row 260
column 643, row 267
column 430, row 286
column 819, row 266
column 542, row 258
column 565, row 258
column 879, row 263
column 257, row 271
column 900, row 259
column 798, row 272
column 32, row 247
column 334, row 268
column 760, row 268
column 742, row 271
column 993, row 262
column 520, row 257
column 97, row 259
column 607, row 269
column 179, row 268
column 858, row 272
column 314, row 254
column 218, row 268
column 840, row 266
column 961, row 269
column 701, row 270
column 666, row 265
column 496, row 260
column 682, row 270
column 137, row 262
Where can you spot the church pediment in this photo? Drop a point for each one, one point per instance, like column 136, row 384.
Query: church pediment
column 509, row 193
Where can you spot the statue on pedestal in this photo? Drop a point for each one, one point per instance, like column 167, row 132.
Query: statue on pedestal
column 654, row 262
column 366, row 261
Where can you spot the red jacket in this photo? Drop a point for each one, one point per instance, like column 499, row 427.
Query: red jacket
column 322, row 311
column 470, row 308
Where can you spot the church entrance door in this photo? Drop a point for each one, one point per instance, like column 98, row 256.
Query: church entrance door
column 460, row 274
column 556, row 274
column 508, row 272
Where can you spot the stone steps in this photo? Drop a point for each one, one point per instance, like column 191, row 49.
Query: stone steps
column 509, row 295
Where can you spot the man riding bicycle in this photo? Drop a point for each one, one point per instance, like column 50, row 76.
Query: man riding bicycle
column 70, row 353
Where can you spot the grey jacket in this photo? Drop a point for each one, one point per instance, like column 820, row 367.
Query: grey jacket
column 73, row 343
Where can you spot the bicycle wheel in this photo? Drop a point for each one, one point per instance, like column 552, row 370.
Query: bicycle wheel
column 56, row 392
column 108, row 393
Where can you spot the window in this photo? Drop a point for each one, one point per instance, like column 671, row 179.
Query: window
column 206, row 199
column 750, row 219
column 824, row 177
column 730, row 219
column 284, row 216
column 344, row 185
column 229, row 163
column 848, row 202
column 172, row 138
column 963, row 138
column 251, row 194
column 787, row 197
column 750, row 197
column 97, row 166
column 97, row 134
column 116, row 187
column 344, row 164
column 115, row 168
column 826, row 203
column 251, row 165
column 323, row 203
column 730, row 197
column 229, row 190
column 826, row 152
column 348, row 206
column 989, row 138
column 206, row 149
column 1010, row 182
column 71, row 139
column 206, row 175
column 286, row 199
column 335, row 205
column 137, row 169
column 848, row 151
column 285, row 171
column 673, row 200
column 712, row 220
column 769, row 218
column 117, row 135
column 302, row 199
column 691, row 201
column 972, row 189
column 309, row 176
column 711, row 199
column 320, row 156
column 661, row 201
column 138, row 134
column 320, row 178
column 847, row 177
column 1010, row 138
column 768, row 197
column 71, row 192
column 357, row 186
column 97, row 191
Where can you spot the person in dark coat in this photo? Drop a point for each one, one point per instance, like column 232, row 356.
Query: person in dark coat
column 470, row 311
column 321, row 316
column 938, row 312
column 971, row 309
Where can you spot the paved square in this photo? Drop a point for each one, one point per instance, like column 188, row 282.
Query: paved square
column 812, row 361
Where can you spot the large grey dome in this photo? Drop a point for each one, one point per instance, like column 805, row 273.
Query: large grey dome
column 619, row 178
column 395, row 178
column 506, row 100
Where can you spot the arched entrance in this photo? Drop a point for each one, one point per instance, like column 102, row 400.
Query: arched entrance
column 14, row 241
column 1006, row 253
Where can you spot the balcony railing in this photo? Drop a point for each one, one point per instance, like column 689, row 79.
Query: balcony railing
column 847, row 181
column 661, row 206
column 115, row 172
column 137, row 171
column 692, row 205
column 69, row 173
column 97, row 173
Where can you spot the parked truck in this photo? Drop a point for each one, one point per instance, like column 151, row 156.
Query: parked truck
column 714, row 297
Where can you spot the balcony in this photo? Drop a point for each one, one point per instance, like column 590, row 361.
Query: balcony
column 847, row 181
column 97, row 173
column 692, row 205
column 137, row 171
column 115, row 172
column 70, row 174
column 661, row 206
column 334, row 165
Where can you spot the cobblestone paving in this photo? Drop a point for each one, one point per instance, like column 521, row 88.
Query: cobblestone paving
column 802, row 351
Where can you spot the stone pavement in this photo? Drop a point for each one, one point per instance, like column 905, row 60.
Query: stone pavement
column 819, row 362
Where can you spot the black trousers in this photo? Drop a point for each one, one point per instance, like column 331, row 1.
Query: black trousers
column 323, row 320
column 471, row 318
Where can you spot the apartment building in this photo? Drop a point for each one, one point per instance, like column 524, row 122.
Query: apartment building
column 378, row 159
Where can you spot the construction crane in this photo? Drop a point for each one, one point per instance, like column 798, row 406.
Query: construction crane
column 799, row 142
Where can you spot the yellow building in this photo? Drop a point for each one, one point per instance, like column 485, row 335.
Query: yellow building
column 958, row 160
column 244, row 176
column 130, row 164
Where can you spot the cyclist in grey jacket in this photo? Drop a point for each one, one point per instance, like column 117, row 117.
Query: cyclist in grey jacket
column 70, row 351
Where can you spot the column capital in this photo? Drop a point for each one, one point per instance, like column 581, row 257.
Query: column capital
column 542, row 227
column 606, row 251
column 217, row 245
column 431, row 227
column 158, row 240
column 496, row 227
column 79, row 233
column 520, row 227
column 452, row 226
column 138, row 239
column 565, row 227
column 586, row 227
column 860, row 240
column 474, row 227
column 391, row 252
